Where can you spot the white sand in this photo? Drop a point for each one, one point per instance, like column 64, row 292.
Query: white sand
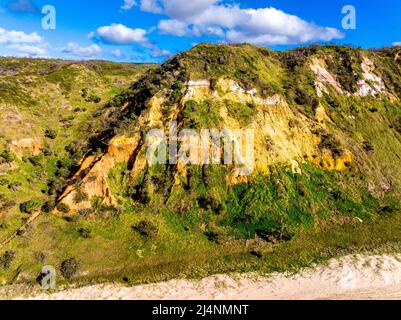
column 352, row 277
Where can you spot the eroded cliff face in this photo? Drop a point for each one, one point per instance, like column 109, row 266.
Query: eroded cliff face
column 91, row 179
column 284, row 134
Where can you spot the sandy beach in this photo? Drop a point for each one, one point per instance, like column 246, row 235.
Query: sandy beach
column 351, row 277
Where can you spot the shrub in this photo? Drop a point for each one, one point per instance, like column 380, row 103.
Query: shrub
column 6, row 259
column 97, row 203
column 93, row 98
column 213, row 236
column 84, row 92
column 305, row 99
column 6, row 204
column 6, row 156
column 37, row 161
column 64, row 167
column 29, row 206
column 80, row 196
column 63, row 208
column 4, row 181
column 330, row 142
column 84, row 233
column 69, row 268
column 51, row 134
column 146, row 229
column 48, row 206
column 367, row 146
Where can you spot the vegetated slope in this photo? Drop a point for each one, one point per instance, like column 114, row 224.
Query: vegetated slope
column 48, row 108
column 327, row 126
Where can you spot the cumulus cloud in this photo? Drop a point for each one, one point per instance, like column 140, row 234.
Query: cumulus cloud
column 117, row 54
column 13, row 37
column 397, row 44
column 23, row 44
column 128, row 4
column 120, row 34
column 263, row 26
column 28, row 50
column 22, row 6
column 151, row 6
column 157, row 52
column 174, row 27
column 85, row 52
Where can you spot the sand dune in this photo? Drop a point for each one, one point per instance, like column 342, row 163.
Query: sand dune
column 351, row 277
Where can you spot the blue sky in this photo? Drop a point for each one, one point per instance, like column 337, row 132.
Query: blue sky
column 153, row 30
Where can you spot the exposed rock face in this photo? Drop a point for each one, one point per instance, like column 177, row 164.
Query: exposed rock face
column 293, row 125
column 196, row 85
column 27, row 146
column 371, row 84
column 282, row 136
column 92, row 177
column 323, row 77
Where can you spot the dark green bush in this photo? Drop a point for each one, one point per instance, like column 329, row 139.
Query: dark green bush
column 29, row 206
column 6, row 156
column 146, row 229
column 63, row 208
column 367, row 146
column 94, row 98
column 69, row 268
column 6, row 259
column 37, row 161
column 84, row 233
column 51, row 134
column 48, row 206
column 303, row 98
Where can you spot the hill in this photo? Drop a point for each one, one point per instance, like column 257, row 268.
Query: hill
column 325, row 177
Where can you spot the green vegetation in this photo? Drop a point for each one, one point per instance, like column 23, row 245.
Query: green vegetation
column 69, row 268
column 29, row 206
column 168, row 221
column 6, row 156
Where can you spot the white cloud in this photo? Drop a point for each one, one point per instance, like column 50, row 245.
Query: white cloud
column 23, row 44
column 28, row 50
column 13, row 37
column 174, row 27
column 120, row 34
column 156, row 52
column 128, row 4
column 397, row 44
column 263, row 26
column 182, row 9
column 86, row 52
column 117, row 54
column 151, row 6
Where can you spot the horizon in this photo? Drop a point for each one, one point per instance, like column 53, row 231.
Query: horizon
column 151, row 31
column 209, row 43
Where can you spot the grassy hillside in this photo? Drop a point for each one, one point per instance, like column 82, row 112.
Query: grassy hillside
column 48, row 109
column 327, row 124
